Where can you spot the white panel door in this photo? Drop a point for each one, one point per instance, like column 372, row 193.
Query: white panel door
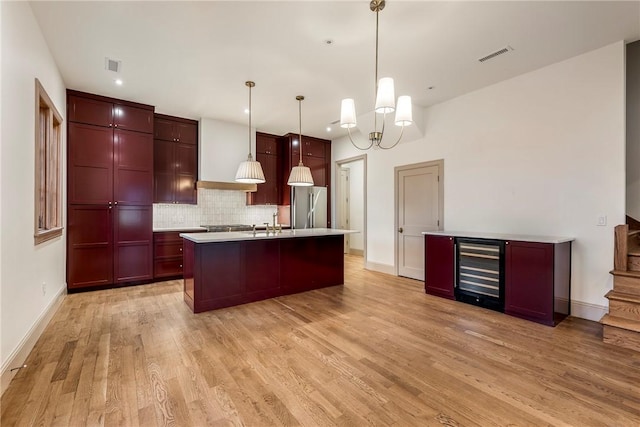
column 418, row 210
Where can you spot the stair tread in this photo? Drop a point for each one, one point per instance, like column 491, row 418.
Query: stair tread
column 625, row 273
column 622, row 296
column 622, row 323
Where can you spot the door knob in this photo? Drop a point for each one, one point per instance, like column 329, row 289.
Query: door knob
column 400, row 230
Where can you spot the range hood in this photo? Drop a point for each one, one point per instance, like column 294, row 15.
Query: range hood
column 219, row 185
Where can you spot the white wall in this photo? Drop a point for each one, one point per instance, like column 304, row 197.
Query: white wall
column 25, row 267
column 223, row 146
column 542, row 153
column 633, row 130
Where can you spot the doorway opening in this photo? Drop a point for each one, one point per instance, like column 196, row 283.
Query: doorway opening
column 351, row 202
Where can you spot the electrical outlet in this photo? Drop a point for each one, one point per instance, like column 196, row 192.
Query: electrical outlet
column 44, row 288
column 602, row 220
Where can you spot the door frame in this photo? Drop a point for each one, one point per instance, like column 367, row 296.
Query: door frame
column 343, row 197
column 396, row 182
column 338, row 165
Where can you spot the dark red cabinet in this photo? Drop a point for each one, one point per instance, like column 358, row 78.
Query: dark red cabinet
column 107, row 112
column 439, row 266
column 537, row 280
column 222, row 274
column 316, row 155
column 537, row 276
column 109, row 187
column 175, row 160
column 167, row 254
column 267, row 154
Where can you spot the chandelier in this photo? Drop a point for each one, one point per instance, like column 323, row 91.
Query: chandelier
column 385, row 102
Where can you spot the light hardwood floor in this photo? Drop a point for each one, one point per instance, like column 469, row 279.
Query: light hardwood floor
column 376, row 351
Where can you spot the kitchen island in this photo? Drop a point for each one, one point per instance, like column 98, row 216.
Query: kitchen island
column 227, row 269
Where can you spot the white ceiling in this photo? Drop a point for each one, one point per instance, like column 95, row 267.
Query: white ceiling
column 191, row 59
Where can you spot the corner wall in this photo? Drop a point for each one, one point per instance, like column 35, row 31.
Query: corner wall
column 542, row 153
column 633, row 130
column 24, row 267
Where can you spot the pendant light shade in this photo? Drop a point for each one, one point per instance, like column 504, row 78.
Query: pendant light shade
column 250, row 171
column 300, row 175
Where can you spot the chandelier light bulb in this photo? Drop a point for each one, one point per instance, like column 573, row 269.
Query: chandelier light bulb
column 385, row 98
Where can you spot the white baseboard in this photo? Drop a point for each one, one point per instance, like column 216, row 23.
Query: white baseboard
column 358, row 252
column 381, row 268
column 585, row 310
column 20, row 354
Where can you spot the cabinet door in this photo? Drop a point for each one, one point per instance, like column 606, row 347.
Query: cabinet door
column 439, row 256
column 132, row 118
column 133, row 247
column 318, row 166
column 313, row 147
column 529, row 280
column 163, row 129
column 90, row 171
column 133, row 168
column 266, row 144
column 90, row 111
column 163, row 171
column 186, row 133
column 186, row 173
column 89, row 246
column 267, row 193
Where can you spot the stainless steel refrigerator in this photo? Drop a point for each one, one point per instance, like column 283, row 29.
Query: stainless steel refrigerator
column 309, row 207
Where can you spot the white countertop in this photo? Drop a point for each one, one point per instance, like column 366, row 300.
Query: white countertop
column 160, row 229
column 249, row 235
column 498, row 236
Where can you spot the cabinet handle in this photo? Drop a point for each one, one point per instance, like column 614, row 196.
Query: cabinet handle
column 400, row 230
column 180, row 265
column 506, row 243
column 180, row 249
column 115, row 203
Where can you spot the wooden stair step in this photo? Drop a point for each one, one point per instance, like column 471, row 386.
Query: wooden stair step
column 621, row 296
column 621, row 323
column 626, row 273
column 621, row 332
column 622, row 305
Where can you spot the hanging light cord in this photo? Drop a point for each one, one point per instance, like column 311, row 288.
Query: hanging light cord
column 300, row 98
column 250, row 85
column 375, row 92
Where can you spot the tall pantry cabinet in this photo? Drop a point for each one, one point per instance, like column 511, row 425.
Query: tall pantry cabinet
column 109, row 191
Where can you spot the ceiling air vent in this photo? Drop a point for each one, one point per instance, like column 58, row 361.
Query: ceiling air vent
column 496, row 53
column 112, row 65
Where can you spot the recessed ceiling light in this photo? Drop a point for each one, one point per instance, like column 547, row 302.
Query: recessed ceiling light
column 328, row 42
column 431, row 87
column 246, row 111
column 328, row 128
column 118, row 82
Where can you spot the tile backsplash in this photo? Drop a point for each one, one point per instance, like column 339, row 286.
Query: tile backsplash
column 214, row 207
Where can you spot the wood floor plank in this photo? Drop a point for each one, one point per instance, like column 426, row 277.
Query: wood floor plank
column 376, row 351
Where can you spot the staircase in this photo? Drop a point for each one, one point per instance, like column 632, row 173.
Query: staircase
column 621, row 326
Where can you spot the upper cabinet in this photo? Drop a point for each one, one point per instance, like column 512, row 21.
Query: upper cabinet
column 175, row 129
column 267, row 153
column 175, row 160
column 112, row 115
column 316, row 154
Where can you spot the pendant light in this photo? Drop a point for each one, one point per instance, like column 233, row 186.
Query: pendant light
column 250, row 171
column 300, row 175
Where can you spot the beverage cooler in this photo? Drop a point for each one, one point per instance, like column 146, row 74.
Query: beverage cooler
column 480, row 272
